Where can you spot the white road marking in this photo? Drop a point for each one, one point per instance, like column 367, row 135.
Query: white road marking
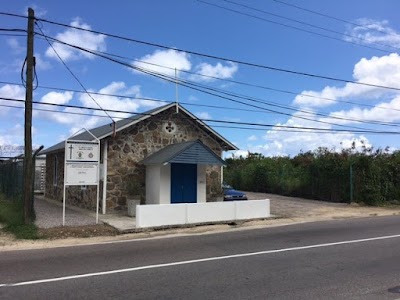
column 194, row 261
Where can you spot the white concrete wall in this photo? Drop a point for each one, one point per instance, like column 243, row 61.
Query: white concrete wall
column 165, row 184
column 191, row 213
column 201, row 183
column 158, row 184
column 160, row 215
column 152, row 184
column 210, row 212
column 253, row 209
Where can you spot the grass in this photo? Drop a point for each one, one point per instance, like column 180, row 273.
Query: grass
column 11, row 215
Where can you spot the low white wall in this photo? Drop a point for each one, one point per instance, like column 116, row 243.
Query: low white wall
column 153, row 215
column 210, row 212
column 252, row 209
column 192, row 213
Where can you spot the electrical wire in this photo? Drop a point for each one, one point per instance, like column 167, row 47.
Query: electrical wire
column 290, row 26
column 210, row 120
column 392, row 124
column 210, row 55
column 250, row 64
column 23, row 81
column 333, row 17
column 241, row 82
column 316, row 130
column 140, row 98
column 201, row 89
column 192, row 85
column 70, row 71
column 308, row 24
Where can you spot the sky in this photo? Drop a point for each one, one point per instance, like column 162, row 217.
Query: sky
column 240, row 79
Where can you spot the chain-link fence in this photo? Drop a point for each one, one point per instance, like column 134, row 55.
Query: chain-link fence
column 11, row 177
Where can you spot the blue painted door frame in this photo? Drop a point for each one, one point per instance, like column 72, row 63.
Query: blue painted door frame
column 183, row 183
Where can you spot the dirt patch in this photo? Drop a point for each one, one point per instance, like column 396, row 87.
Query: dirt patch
column 77, row 231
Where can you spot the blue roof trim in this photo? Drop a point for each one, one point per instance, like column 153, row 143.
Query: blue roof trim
column 193, row 152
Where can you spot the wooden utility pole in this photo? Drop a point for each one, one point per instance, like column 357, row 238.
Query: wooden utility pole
column 28, row 163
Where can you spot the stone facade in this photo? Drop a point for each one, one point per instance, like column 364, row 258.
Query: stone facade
column 124, row 153
column 133, row 144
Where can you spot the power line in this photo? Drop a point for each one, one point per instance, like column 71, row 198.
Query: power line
column 209, row 120
column 139, row 98
column 333, row 17
column 316, row 130
column 240, row 82
column 300, row 22
column 13, row 15
column 12, row 30
column 200, row 88
column 210, row 55
column 226, row 80
column 190, row 85
column 222, row 58
column 392, row 124
column 73, row 75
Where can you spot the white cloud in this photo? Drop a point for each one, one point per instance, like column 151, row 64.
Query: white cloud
column 384, row 71
column 203, row 115
column 11, row 92
column 83, row 118
column 117, row 103
column 373, row 32
column 57, row 98
column 12, row 137
column 282, row 143
column 84, row 39
column 217, row 71
column 164, row 61
column 41, row 63
column 15, row 46
column 193, row 98
column 252, row 138
column 384, row 112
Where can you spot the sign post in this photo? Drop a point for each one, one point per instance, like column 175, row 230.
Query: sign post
column 81, row 166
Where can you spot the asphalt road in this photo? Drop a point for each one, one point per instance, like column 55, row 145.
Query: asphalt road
column 346, row 259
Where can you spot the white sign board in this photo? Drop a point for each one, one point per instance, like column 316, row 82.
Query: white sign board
column 81, row 163
column 77, row 151
column 81, row 174
column 81, row 166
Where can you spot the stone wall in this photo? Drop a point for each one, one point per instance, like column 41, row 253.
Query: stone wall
column 133, row 144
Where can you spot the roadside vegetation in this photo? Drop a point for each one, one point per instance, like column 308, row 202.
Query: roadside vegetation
column 12, row 219
column 370, row 176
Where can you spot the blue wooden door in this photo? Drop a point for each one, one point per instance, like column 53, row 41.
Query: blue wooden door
column 183, row 183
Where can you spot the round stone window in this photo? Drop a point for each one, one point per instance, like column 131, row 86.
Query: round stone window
column 169, row 127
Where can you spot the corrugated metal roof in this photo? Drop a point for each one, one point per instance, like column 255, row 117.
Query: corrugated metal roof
column 193, row 152
column 107, row 130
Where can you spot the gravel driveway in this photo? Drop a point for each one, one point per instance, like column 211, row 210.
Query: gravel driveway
column 303, row 210
column 292, row 207
column 49, row 214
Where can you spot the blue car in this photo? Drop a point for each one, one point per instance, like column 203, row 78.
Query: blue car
column 230, row 194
